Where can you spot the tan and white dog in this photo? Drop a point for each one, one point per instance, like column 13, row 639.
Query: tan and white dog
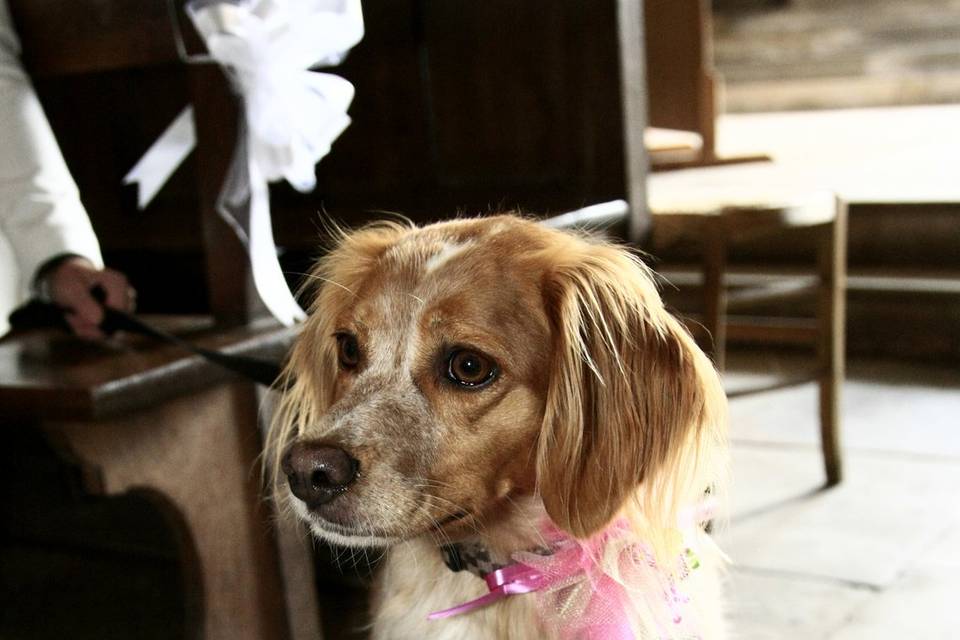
column 467, row 382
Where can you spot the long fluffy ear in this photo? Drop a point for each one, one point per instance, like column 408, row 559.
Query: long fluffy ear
column 635, row 411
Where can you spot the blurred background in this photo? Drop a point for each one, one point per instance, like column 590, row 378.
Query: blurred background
column 790, row 167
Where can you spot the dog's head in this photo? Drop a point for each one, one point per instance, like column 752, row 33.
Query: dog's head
column 446, row 371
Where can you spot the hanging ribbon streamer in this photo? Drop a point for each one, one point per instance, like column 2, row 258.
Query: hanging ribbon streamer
column 291, row 115
column 163, row 157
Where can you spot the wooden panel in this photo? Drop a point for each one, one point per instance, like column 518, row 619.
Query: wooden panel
column 472, row 107
column 196, row 454
column 500, row 75
column 525, row 101
column 81, row 36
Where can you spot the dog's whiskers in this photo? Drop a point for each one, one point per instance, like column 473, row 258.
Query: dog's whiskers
column 447, row 509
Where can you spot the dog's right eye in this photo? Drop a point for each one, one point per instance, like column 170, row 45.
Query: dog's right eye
column 470, row 369
column 348, row 350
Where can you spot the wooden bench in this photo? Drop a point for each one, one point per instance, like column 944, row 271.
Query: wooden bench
column 135, row 417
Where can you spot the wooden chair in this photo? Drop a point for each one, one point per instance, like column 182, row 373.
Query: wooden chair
column 710, row 212
column 707, row 209
column 681, row 85
column 710, row 206
column 680, row 75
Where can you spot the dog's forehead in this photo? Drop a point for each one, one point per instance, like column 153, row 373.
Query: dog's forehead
column 423, row 252
column 448, row 272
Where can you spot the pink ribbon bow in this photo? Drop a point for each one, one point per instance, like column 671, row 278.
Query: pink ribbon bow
column 586, row 604
column 511, row 580
column 577, row 598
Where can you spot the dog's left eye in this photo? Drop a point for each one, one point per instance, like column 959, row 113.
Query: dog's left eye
column 348, row 350
column 470, row 369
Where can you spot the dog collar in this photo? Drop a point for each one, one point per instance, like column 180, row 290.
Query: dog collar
column 477, row 559
column 503, row 578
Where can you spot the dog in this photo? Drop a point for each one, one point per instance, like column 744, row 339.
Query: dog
column 476, row 391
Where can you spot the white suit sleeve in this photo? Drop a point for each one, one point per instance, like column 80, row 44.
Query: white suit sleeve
column 40, row 210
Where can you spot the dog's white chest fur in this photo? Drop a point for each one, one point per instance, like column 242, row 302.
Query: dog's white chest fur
column 414, row 583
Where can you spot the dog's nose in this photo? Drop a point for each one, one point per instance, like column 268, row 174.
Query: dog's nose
column 318, row 473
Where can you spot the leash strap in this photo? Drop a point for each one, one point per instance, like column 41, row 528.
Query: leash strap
column 37, row 314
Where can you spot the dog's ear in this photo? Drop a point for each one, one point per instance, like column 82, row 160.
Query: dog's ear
column 632, row 403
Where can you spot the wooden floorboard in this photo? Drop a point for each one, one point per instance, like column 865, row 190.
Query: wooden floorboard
column 814, row 54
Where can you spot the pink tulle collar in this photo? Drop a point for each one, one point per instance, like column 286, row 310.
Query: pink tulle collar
column 579, row 599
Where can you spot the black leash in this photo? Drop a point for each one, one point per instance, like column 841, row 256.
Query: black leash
column 38, row 315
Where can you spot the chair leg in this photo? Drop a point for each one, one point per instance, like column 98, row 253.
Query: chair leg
column 831, row 314
column 714, row 293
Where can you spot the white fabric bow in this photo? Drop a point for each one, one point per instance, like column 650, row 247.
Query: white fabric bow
column 291, row 114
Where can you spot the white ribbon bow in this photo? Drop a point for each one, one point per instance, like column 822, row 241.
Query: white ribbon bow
column 291, row 114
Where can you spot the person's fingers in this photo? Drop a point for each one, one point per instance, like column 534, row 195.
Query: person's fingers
column 72, row 285
column 70, row 288
column 73, row 292
column 83, row 328
column 117, row 289
column 84, row 306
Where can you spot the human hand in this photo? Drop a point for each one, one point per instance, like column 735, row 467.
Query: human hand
column 70, row 285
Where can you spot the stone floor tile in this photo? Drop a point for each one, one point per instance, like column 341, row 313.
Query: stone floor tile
column 771, row 607
column 922, row 603
column 866, row 531
column 886, row 406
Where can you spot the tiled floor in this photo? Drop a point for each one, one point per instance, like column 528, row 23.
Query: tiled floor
column 877, row 557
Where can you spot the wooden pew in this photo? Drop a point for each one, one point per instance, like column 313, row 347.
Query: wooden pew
column 135, row 417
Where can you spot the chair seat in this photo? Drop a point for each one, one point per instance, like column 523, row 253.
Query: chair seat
column 672, row 145
column 742, row 199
